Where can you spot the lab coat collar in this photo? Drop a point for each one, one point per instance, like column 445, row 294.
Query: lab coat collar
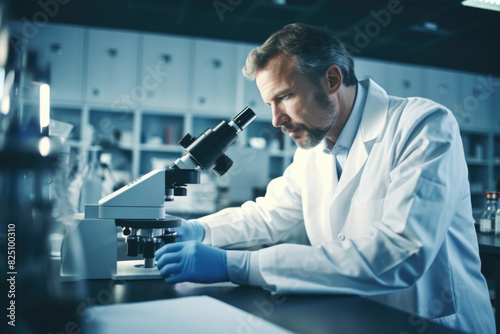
column 351, row 127
column 372, row 122
column 375, row 111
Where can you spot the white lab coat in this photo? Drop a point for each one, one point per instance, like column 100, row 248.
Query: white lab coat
column 397, row 226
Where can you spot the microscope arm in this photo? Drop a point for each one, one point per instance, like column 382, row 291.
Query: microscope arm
column 143, row 198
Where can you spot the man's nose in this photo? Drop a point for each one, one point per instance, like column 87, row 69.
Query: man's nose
column 279, row 116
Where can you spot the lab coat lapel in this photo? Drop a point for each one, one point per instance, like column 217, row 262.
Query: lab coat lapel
column 326, row 162
column 372, row 123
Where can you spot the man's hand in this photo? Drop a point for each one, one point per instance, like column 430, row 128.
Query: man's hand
column 190, row 230
column 192, row 261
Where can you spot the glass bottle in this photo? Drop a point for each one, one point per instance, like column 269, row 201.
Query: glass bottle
column 497, row 220
column 487, row 220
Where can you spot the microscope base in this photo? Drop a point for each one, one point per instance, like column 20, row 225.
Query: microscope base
column 133, row 270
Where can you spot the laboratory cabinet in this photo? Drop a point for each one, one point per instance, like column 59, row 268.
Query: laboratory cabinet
column 136, row 94
column 467, row 95
column 474, row 107
column 214, row 74
column 112, row 68
column 443, row 86
column 251, row 93
column 406, row 80
column 495, row 91
column 56, row 53
column 378, row 71
column 165, row 72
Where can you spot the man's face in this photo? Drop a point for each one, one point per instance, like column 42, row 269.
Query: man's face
column 300, row 108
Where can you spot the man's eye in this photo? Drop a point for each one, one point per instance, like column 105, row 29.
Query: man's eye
column 284, row 97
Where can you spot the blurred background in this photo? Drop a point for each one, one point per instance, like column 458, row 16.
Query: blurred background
column 132, row 77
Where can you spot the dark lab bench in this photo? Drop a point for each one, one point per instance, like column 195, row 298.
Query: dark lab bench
column 299, row 313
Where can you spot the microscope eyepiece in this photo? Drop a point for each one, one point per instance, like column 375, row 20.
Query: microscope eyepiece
column 245, row 117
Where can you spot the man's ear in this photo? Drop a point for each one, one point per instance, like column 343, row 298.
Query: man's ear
column 333, row 79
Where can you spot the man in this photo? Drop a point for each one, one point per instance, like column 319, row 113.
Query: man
column 378, row 185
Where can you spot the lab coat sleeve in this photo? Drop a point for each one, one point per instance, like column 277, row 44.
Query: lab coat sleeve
column 267, row 220
column 427, row 177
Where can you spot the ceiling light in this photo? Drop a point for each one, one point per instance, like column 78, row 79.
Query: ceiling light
column 484, row 4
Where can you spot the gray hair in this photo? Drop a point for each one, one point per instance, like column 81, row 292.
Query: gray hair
column 312, row 49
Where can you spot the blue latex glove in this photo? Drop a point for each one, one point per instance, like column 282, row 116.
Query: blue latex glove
column 190, row 230
column 192, row 261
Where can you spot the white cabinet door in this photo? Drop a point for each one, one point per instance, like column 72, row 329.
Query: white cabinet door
column 376, row 70
column 165, row 71
column 251, row 94
column 443, row 86
column 111, row 71
column 496, row 103
column 406, row 80
column 214, row 77
column 59, row 56
column 476, row 102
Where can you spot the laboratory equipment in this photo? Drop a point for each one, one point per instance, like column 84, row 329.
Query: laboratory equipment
column 487, row 220
column 31, row 168
column 139, row 208
column 497, row 220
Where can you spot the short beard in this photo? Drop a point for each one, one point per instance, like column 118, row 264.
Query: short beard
column 315, row 135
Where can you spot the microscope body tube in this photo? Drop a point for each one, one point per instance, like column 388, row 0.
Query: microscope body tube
column 206, row 151
column 212, row 140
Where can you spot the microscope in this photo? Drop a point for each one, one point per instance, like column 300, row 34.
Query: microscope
column 90, row 249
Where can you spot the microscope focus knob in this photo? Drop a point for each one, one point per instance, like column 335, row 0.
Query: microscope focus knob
column 222, row 165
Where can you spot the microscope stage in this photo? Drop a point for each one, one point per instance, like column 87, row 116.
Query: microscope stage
column 132, row 270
